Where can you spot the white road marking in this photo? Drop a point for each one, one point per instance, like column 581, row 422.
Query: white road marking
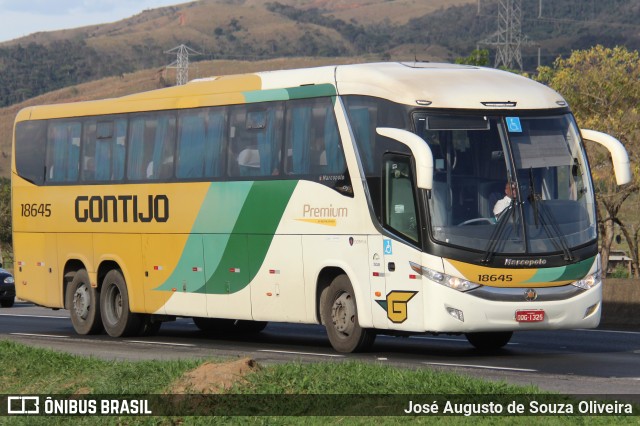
column 449, row 339
column 33, row 316
column 300, row 353
column 608, row 331
column 39, row 335
column 148, row 342
column 446, row 339
column 486, row 367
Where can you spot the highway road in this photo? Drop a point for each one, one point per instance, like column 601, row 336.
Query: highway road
column 602, row 362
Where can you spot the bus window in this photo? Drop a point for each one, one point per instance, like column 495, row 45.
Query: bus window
column 103, row 146
column 29, row 153
column 151, row 146
column 200, row 143
column 63, row 151
column 255, row 140
column 313, row 145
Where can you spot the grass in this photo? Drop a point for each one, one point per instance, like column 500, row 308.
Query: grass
column 320, row 389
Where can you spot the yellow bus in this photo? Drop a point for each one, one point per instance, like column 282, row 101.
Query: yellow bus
column 388, row 198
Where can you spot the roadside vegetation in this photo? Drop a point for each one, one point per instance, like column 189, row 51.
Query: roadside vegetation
column 34, row 371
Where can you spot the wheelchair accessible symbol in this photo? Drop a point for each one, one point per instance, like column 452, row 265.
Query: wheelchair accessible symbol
column 387, row 247
column 513, row 124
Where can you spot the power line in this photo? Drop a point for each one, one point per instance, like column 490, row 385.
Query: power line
column 181, row 64
column 508, row 39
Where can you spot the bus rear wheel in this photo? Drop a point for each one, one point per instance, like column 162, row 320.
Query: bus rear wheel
column 117, row 319
column 340, row 316
column 83, row 302
column 489, row 341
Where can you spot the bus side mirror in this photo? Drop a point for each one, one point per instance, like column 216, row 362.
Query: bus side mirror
column 618, row 153
column 420, row 150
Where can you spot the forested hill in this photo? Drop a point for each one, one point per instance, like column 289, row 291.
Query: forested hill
column 252, row 29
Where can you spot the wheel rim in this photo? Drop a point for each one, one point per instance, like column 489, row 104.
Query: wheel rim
column 343, row 314
column 82, row 302
column 114, row 304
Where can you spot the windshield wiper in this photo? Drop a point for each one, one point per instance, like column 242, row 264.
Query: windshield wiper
column 542, row 214
column 496, row 235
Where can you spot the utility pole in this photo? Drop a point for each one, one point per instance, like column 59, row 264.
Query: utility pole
column 181, row 64
column 508, row 39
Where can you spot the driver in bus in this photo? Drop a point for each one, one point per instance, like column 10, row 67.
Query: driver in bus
column 504, row 203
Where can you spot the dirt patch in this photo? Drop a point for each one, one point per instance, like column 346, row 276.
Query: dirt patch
column 214, row 377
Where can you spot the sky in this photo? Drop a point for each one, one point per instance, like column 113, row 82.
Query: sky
column 19, row 18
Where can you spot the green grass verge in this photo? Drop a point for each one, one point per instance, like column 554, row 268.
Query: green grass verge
column 30, row 370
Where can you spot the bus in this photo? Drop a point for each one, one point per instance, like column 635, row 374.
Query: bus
column 361, row 197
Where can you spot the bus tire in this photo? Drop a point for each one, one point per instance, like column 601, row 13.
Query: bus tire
column 340, row 317
column 83, row 302
column 489, row 341
column 117, row 319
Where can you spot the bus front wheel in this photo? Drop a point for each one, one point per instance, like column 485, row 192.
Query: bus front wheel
column 489, row 341
column 117, row 319
column 83, row 302
column 340, row 317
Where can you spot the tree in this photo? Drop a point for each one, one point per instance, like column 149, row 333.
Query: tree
column 479, row 57
column 5, row 216
column 602, row 85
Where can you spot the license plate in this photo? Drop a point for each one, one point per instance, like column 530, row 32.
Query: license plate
column 530, row 316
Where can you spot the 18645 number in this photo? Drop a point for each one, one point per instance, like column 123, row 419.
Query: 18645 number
column 35, row 210
column 494, row 278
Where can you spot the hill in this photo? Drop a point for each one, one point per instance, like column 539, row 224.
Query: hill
column 235, row 36
column 256, row 30
column 142, row 81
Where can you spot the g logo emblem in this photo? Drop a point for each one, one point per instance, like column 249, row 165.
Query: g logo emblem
column 396, row 305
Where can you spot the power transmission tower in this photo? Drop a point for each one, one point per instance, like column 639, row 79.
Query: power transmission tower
column 508, row 39
column 181, row 64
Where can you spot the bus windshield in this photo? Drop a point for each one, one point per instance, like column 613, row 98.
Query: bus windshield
column 508, row 184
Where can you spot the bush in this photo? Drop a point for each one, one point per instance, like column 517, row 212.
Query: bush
column 620, row 272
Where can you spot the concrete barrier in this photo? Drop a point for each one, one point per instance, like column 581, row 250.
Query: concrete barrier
column 621, row 303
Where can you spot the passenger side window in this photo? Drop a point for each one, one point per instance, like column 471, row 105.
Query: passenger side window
column 63, row 151
column 255, row 140
column 103, row 147
column 313, row 144
column 201, row 139
column 151, row 146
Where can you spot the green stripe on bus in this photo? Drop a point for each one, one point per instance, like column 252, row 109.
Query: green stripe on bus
column 563, row 273
column 252, row 236
column 236, row 223
column 301, row 92
column 577, row 271
column 218, row 214
column 266, row 95
column 311, row 91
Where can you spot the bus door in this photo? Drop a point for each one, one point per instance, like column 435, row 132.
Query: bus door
column 402, row 299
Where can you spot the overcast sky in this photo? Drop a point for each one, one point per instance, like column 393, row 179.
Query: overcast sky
column 23, row 17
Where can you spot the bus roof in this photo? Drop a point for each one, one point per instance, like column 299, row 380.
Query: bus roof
column 434, row 85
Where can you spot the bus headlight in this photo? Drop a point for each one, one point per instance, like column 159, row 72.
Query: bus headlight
column 455, row 283
column 589, row 281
